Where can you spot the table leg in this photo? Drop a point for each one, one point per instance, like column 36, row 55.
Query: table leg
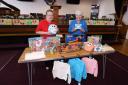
column 29, row 66
column 104, row 65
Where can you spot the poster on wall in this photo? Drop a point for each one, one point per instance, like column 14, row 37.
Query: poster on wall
column 94, row 11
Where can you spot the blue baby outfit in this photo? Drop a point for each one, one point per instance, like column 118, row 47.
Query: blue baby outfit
column 78, row 69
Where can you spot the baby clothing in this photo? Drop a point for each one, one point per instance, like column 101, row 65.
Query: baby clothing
column 61, row 70
column 78, row 70
column 91, row 66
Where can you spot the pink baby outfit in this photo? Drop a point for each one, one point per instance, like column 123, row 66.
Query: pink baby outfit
column 91, row 66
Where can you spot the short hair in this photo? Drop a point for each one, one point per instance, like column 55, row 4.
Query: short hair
column 49, row 11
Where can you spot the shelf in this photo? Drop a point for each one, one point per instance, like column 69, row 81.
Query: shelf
column 94, row 26
column 30, row 30
column 20, row 34
column 103, row 33
column 33, row 34
column 18, row 26
column 16, row 30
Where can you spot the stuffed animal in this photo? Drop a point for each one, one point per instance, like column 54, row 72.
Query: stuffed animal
column 88, row 46
column 53, row 29
column 98, row 48
column 78, row 26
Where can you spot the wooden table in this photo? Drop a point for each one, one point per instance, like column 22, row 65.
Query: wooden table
column 56, row 56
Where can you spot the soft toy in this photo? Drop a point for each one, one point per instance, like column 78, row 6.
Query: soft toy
column 88, row 46
column 98, row 48
column 53, row 29
column 78, row 26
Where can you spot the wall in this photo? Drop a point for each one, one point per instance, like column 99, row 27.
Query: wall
column 39, row 6
column 106, row 10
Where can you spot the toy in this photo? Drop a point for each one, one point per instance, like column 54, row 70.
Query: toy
column 35, row 43
column 53, row 29
column 72, row 47
column 98, row 48
column 78, row 26
column 69, row 38
column 88, row 46
column 50, row 44
column 47, row 44
column 95, row 39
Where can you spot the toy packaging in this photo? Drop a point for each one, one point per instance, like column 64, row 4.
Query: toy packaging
column 35, row 43
column 95, row 39
column 71, row 47
column 50, row 44
column 47, row 44
column 70, row 38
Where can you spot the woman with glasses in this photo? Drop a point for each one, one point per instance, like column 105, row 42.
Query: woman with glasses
column 78, row 27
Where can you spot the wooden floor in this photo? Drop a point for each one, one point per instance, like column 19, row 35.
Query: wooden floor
column 121, row 47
